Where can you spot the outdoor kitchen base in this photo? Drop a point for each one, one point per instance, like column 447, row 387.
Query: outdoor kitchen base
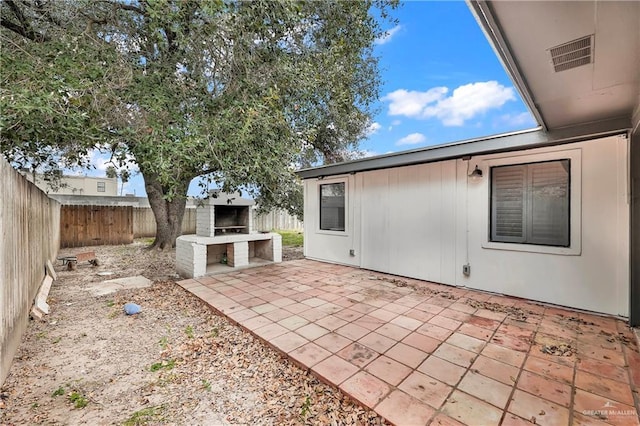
column 197, row 256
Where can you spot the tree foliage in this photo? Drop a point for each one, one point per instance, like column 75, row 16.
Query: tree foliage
column 239, row 92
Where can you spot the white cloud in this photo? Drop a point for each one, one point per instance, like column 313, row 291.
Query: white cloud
column 396, row 122
column 412, row 139
column 373, row 129
column 517, row 120
column 388, row 35
column 464, row 103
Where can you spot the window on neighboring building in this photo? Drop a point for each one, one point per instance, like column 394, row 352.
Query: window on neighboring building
column 332, row 203
column 101, row 187
column 530, row 203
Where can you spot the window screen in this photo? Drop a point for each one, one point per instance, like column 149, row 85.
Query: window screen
column 530, row 203
column 332, row 203
column 101, row 187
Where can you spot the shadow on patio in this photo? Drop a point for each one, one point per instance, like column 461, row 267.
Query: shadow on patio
column 420, row 353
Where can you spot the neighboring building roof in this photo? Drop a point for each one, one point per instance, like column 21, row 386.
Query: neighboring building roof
column 526, row 139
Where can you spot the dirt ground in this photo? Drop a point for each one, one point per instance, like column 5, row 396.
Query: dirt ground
column 176, row 362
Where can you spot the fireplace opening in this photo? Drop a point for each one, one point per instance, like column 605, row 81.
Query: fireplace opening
column 231, row 219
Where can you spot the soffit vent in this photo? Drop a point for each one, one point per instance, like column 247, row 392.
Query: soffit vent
column 572, row 54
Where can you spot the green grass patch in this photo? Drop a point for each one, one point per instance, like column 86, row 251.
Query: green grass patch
column 291, row 238
column 78, row 400
column 144, row 416
column 58, row 392
column 167, row 365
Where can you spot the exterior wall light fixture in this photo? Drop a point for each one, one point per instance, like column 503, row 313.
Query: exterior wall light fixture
column 476, row 174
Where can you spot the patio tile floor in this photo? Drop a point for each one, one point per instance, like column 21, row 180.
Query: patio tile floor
column 420, row 353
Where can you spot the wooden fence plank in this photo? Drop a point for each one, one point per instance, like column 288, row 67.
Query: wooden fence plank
column 96, row 225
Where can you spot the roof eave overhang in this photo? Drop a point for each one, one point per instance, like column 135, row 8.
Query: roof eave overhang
column 528, row 139
column 484, row 15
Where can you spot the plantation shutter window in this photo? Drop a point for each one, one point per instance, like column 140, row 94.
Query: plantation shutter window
column 332, row 207
column 530, row 203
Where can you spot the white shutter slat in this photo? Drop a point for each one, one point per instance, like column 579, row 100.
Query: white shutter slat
column 508, row 204
column 549, row 201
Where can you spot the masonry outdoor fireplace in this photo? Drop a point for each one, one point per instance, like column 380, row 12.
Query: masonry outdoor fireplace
column 225, row 239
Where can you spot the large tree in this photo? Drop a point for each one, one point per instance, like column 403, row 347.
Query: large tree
column 237, row 92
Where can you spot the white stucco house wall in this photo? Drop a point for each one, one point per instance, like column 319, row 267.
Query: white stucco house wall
column 550, row 214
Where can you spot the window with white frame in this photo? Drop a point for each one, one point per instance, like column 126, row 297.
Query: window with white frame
column 332, row 206
column 530, row 203
column 101, row 187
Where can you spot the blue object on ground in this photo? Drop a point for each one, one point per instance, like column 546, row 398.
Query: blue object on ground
column 132, row 309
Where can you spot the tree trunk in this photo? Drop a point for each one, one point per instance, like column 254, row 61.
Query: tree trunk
column 168, row 214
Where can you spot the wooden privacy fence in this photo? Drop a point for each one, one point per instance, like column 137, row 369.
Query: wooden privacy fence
column 277, row 219
column 29, row 226
column 95, row 225
column 144, row 222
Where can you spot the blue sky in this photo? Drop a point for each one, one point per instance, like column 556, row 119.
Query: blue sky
column 442, row 83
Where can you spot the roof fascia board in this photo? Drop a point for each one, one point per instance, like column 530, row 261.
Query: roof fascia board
column 484, row 16
column 535, row 138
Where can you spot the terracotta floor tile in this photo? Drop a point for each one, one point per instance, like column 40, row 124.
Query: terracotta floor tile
column 256, row 322
column 333, row 342
column 508, row 356
column 313, row 314
column 543, row 387
column 444, row 420
column 486, row 389
column 264, row 308
column 369, row 322
column 602, row 408
column 282, row 302
column 434, row 331
column 489, row 324
column 497, row 370
column 511, row 342
column 549, row 369
column 288, row 341
column 580, row 419
column 383, row 314
column 513, row 420
column 270, row 331
column 377, row 342
column 352, row 331
column 419, row 315
column 407, row 355
column 331, row 323
column 420, row 341
column 607, row 388
column 395, row 308
column 442, row 370
column 393, row 331
column 455, row 355
column 309, row 354
column 363, row 308
column 474, row 331
column 471, row 411
column 365, row 388
column 456, row 315
column 312, row 331
column 277, row 315
column 293, row 322
column 389, row 370
column 348, row 315
column 485, row 313
column 515, row 331
column 242, row 315
column 428, row 307
column 610, row 355
column 528, row 406
column 466, row 342
column 358, row 354
column 330, row 308
column 426, row 389
column 334, row 369
column 444, row 322
column 296, row 308
column 314, row 302
column 402, row 409
column 406, row 322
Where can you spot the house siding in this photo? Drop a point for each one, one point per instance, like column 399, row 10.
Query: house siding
column 426, row 221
